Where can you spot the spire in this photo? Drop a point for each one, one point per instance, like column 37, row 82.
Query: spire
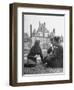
column 30, row 30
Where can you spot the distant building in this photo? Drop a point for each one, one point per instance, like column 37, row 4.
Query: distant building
column 52, row 34
column 42, row 34
column 41, row 31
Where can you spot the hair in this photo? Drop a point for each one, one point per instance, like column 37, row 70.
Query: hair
column 37, row 43
column 55, row 39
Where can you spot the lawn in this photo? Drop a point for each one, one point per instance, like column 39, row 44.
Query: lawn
column 41, row 69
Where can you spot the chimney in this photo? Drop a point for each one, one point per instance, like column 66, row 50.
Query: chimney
column 30, row 30
column 53, row 30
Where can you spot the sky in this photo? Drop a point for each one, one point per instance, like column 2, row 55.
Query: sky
column 56, row 22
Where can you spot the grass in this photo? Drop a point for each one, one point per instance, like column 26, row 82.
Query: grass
column 41, row 69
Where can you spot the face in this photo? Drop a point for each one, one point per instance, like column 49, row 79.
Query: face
column 55, row 44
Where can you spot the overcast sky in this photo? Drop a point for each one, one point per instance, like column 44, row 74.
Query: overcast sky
column 56, row 22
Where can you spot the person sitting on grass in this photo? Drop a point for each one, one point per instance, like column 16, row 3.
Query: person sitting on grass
column 55, row 59
column 34, row 51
